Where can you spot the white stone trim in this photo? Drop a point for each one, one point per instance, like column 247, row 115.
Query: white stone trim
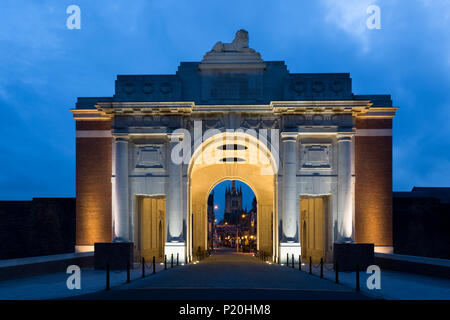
column 374, row 132
column 94, row 134
column 84, row 248
column 384, row 249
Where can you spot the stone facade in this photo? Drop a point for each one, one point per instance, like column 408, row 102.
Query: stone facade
column 327, row 142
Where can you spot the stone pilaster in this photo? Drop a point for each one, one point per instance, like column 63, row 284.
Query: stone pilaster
column 175, row 243
column 289, row 238
column 289, row 217
column 121, row 218
column 174, row 215
column 345, row 208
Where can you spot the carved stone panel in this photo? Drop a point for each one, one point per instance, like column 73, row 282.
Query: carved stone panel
column 232, row 87
column 149, row 157
column 315, row 156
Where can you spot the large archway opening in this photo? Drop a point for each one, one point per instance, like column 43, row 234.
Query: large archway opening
column 232, row 217
column 232, row 156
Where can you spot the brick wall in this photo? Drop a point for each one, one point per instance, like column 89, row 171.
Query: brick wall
column 373, row 186
column 93, row 180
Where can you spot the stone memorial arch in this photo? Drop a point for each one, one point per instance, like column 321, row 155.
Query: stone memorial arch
column 317, row 156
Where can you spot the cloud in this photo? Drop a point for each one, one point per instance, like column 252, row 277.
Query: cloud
column 350, row 16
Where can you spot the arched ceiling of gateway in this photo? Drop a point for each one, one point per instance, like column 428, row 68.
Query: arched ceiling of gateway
column 236, row 156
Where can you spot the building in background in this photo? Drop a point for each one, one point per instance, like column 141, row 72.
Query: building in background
column 233, row 204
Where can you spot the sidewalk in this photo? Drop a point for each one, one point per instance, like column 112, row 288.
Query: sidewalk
column 394, row 284
column 53, row 286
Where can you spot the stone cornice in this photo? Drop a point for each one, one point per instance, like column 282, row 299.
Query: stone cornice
column 129, row 108
column 379, row 113
column 89, row 114
column 321, row 106
column 358, row 108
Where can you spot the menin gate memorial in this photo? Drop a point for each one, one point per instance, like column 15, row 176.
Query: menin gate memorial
column 323, row 173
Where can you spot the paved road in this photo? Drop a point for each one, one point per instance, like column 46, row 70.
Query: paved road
column 228, row 275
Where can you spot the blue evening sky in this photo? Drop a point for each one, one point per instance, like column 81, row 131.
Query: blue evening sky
column 44, row 67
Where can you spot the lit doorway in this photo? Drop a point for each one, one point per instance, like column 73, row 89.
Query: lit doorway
column 314, row 224
column 151, row 213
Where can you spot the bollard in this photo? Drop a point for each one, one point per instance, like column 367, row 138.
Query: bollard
column 171, row 260
column 293, row 261
column 310, row 265
column 107, row 276
column 178, row 255
column 321, row 267
column 336, row 268
column 143, row 267
column 185, row 259
column 154, row 265
column 165, row 262
column 128, row 271
column 299, row 262
column 287, row 259
column 357, row 277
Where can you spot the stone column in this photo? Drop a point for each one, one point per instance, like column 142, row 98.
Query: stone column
column 174, row 211
column 289, row 217
column 289, row 244
column 175, row 244
column 345, row 223
column 121, row 219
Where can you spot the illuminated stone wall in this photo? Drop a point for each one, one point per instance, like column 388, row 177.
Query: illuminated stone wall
column 93, row 179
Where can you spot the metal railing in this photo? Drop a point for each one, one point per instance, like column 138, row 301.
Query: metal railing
column 290, row 262
column 143, row 266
